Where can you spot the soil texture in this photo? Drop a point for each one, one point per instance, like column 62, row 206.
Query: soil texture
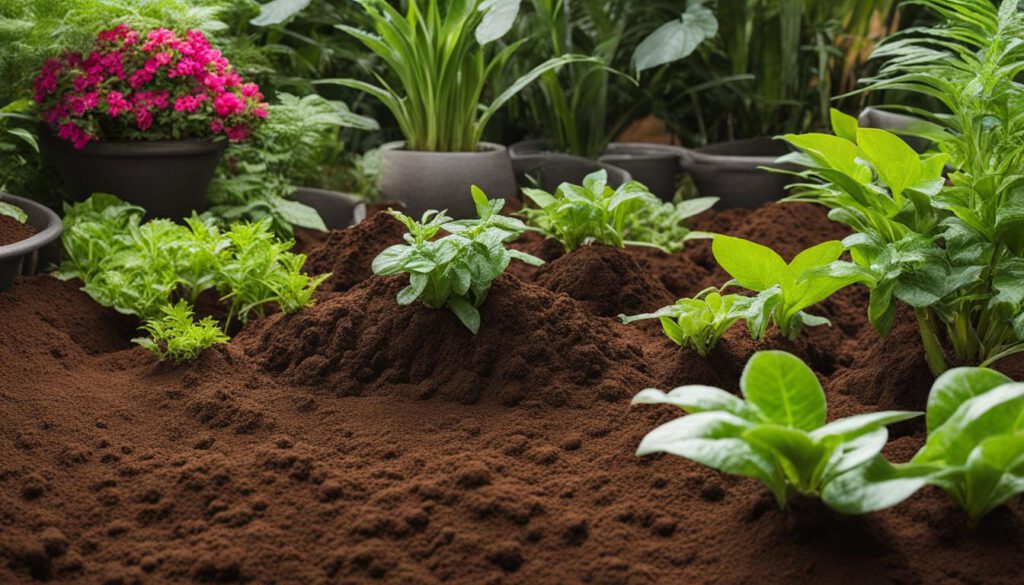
column 13, row 231
column 362, row 442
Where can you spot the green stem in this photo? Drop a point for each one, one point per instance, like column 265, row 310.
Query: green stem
column 933, row 349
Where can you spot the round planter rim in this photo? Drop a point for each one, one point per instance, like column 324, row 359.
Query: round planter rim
column 483, row 148
column 696, row 157
column 635, row 150
column 45, row 234
column 142, row 148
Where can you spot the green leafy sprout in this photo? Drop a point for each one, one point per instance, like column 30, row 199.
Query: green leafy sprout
column 974, row 451
column 455, row 271
column 178, row 337
column 776, row 433
column 442, row 62
column 700, row 322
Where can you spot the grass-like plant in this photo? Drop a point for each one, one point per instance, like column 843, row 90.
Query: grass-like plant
column 455, row 271
column 776, row 433
column 442, row 60
column 974, row 451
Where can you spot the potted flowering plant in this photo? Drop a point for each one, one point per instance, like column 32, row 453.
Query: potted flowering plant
column 145, row 115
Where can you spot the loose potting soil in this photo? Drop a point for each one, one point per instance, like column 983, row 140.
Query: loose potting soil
column 361, row 442
column 13, row 231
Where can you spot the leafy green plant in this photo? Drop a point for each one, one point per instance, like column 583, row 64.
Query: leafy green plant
column 951, row 251
column 455, row 271
column 442, row 62
column 664, row 224
column 785, row 290
column 594, row 212
column 776, row 433
column 974, row 451
column 143, row 268
column 700, row 322
column 178, row 337
column 299, row 139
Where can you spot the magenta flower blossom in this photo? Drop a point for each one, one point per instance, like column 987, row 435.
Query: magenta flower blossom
column 171, row 86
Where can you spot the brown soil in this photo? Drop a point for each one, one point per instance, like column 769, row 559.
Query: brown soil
column 13, row 231
column 361, row 442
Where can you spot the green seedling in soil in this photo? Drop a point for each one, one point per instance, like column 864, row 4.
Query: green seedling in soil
column 178, row 337
column 700, row 322
column 455, row 271
column 664, row 224
column 785, row 290
column 949, row 247
column 974, row 451
column 594, row 212
column 776, row 433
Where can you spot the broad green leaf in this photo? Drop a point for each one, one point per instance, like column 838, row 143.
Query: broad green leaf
column 793, row 448
column 1010, row 224
column 844, row 125
column 754, row 266
column 677, row 39
column 994, row 473
column 13, row 211
column 1008, row 282
column 849, row 454
column 298, row 214
column 784, row 390
column 466, row 313
column 499, row 16
column 816, row 257
column 852, row 426
column 998, row 411
column 278, row 11
column 698, row 398
column 875, row 486
column 956, row 386
column 832, row 152
column 897, row 164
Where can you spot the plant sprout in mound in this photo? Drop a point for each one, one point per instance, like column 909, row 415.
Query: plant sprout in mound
column 455, row 271
column 776, row 433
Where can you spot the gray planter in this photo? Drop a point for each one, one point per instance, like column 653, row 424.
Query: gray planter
column 443, row 180
column 654, row 165
column 881, row 119
column 731, row 171
column 24, row 257
column 167, row 178
column 537, row 166
column 335, row 208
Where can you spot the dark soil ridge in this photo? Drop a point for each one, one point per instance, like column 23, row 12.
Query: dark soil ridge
column 13, row 231
column 114, row 469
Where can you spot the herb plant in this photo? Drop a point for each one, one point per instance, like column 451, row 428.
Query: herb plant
column 776, row 433
column 178, row 337
column 455, row 271
column 785, row 290
column 663, row 224
column 700, row 322
column 442, row 61
column 974, row 451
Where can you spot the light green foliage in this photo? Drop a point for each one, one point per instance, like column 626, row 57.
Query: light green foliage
column 776, row 434
column 699, row 323
column 594, row 212
column 441, row 60
column 178, row 337
column 455, row 271
column 974, row 451
column 142, row 268
column 19, row 148
column 676, row 39
column 663, row 224
column 785, row 290
column 292, row 148
column 13, row 211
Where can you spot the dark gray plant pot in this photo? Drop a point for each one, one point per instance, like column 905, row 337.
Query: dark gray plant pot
column 654, row 165
column 335, row 208
column 443, row 180
column 167, row 178
column 881, row 119
column 730, row 171
column 537, row 166
column 24, row 257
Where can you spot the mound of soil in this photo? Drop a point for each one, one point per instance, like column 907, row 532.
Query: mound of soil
column 348, row 254
column 13, row 231
column 359, row 442
column 607, row 280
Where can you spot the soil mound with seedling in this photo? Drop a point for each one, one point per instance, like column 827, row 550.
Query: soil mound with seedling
column 13, row 231
column 348, row 254
column 608, row 281
column 533, row 345
column 360, row 442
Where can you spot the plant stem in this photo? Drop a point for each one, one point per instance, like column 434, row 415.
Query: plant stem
column 932, row 348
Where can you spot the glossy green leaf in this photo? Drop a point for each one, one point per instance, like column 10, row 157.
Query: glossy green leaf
column 956, row 386
column 784, row 390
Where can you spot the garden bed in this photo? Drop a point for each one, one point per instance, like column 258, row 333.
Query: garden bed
column 358, row 440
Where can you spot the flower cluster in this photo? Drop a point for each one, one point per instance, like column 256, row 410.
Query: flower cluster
column 152, row 86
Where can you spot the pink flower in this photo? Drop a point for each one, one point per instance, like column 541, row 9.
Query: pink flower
column 250, row 90
column 237, row 133
column 143, row 119
column 260, row 111
column 216, row 126
column 227, row 104
column 117, row 104
column 139, row 78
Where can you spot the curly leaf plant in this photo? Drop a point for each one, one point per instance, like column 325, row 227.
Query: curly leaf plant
column 455, row 271
column 974, row 451
column 951, row 249
column 442, row 62
column 776, row 433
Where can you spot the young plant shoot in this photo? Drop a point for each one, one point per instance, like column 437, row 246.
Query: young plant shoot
column 457, row 270
column 699, row 323
column 974, row 451
column 785, row 290
column 776, row 433
column 952, row 250
column 178, row 337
